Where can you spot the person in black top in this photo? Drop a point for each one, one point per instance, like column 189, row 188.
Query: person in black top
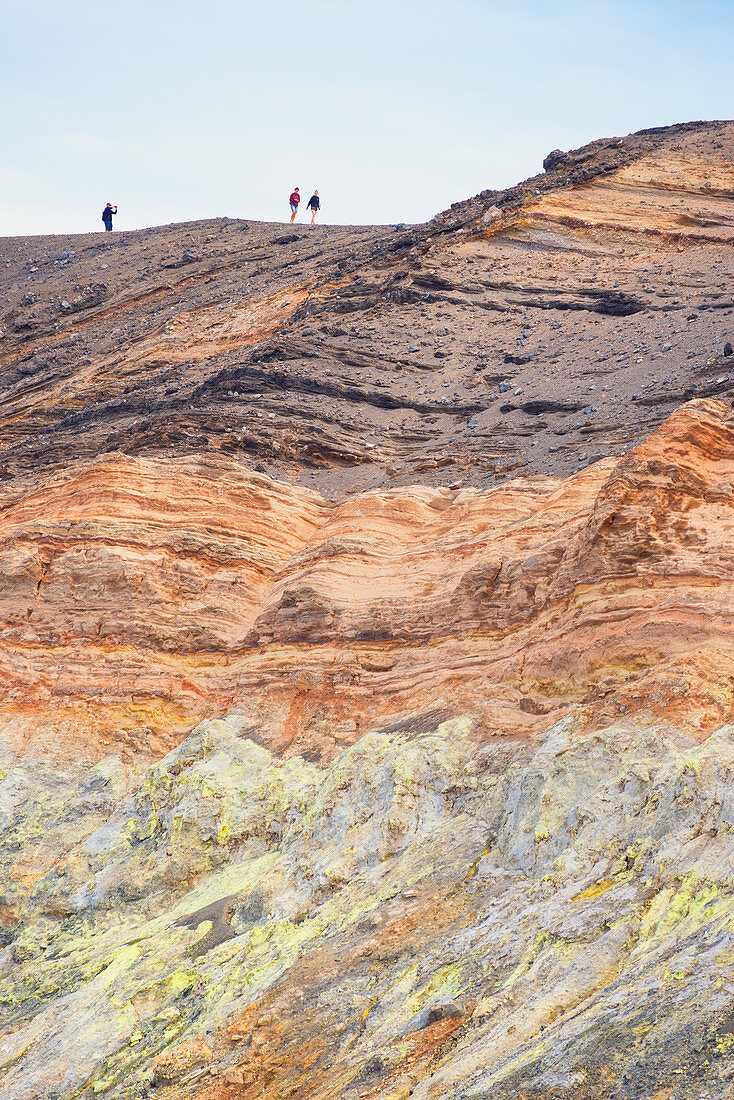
column 314, row 205
column 107, row 213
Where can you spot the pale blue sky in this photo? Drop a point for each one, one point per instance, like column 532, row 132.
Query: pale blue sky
column 392, row 108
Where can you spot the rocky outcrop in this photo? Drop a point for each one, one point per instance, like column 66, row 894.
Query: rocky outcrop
column 432, row 914
column 138, row 596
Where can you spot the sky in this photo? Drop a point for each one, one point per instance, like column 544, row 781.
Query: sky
column 393, row 109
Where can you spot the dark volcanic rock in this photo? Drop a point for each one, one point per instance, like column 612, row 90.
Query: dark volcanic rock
column 555, row 159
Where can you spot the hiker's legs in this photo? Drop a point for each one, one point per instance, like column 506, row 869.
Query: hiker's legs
column 108, row 227
column 294, row 211
column 313, row 216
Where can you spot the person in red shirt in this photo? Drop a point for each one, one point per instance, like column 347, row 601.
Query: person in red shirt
column 294, row 201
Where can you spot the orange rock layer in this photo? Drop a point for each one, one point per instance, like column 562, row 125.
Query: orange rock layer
column 139, row 595
column 647, row 197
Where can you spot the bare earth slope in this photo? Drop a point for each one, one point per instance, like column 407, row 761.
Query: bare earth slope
column 363, row 357
column 367, row 611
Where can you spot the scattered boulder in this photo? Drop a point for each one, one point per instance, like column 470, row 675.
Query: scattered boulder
column 613, row 303
column 437, row 1011
column 555, row 159
column 445, row 1011
column 89, row 297
column 492, row 214
column 187, row 258
column 374, row 1065
column 173, row 1064
column 233, row 1076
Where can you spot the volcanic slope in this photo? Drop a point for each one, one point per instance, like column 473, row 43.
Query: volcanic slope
column 337, row 761
column 534, row 329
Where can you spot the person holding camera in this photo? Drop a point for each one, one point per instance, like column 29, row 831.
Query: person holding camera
column 107, row 213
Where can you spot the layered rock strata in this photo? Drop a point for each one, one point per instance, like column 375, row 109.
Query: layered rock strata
column 366, row 613
column 466, row 826
column 138, row 596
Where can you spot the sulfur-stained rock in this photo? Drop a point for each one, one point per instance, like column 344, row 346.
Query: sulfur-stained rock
column 574, row 875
